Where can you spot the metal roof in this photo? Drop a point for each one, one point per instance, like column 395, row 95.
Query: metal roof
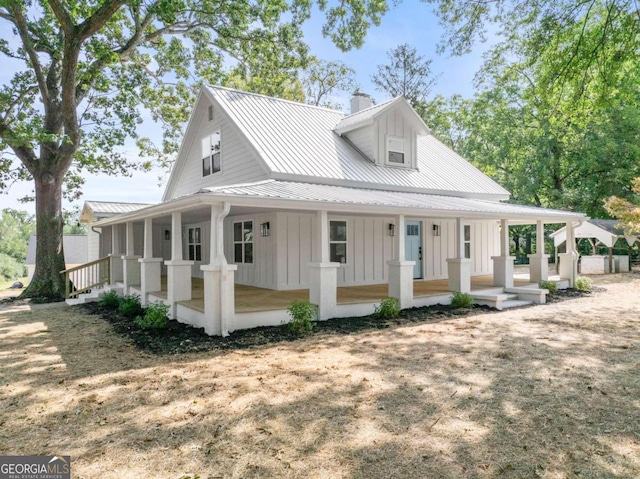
column 76, row 249
column 356, row 119
column 295, row 139
column 605, row 231
column 102, row 209
column 450, row 205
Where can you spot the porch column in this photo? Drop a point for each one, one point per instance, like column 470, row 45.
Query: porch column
column 569, row 260
column 503, row 264
column 130, row 265
column 115, row 258
column 178, row 270
column 400, row 270
column 150, row 267
column 459, row 267
column 219, row 279
column 323, row 274
column 539, row 262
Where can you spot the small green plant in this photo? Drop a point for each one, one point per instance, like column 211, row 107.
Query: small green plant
column 387, row 309
column 461, row 300
column 110, row 300
column 130, row 306
column 156, row 316
column 302, row 314
column 583, row 284
column 552, row 286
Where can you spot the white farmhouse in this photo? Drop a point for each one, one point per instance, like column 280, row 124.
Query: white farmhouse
column 271, row 200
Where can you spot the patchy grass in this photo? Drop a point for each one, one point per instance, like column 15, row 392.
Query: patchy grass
column 549, row 391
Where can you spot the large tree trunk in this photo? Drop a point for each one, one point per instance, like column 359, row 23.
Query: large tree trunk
column 47, row 281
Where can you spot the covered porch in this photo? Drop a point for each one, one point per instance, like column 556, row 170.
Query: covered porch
column 223, row 263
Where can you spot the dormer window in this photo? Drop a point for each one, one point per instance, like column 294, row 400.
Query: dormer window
column 211, row 154
column 395, row 150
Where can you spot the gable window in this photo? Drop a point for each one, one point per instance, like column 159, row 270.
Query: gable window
column 395, row 150
column 195, row 244
column 211, row 154
column 243, row 242
column 467, row 241
column 338, row 241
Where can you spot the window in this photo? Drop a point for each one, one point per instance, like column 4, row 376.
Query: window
column 467, row 241
column 243, row 242
column 195, row 244
column 211, row 154
column 413, row 230
column 395, row 150
column 338, row 241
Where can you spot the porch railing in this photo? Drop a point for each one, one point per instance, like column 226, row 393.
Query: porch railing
column 83, row 278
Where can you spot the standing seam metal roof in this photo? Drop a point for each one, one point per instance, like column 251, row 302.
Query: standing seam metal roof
column 298, row 139
column 289, row 190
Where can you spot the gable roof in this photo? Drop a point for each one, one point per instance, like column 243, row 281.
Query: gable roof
column 107, row 208
column 76, row 249
column 606, row 232
column 368, row 115
column 297, row 142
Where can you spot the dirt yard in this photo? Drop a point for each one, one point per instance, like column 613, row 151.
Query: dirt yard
column 550, row 391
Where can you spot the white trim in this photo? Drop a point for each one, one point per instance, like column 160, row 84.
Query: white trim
column 389, row 139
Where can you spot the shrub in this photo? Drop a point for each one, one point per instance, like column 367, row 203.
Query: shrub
column 461, row 300
column 583, row 284
column 302, row 314
column 387, row 309
column 11, row 268
column 552, row 286
column 130, row 306
column 156, row 316
column 110, row 300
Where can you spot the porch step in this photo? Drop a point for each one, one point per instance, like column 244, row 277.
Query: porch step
column 93, row 295
column 514, row 303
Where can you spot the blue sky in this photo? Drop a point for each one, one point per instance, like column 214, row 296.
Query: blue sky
column 410, row 22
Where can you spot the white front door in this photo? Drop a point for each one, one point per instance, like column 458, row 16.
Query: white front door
column 413, row 246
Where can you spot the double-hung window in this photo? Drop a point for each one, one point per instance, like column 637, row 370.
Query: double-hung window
column 467, row 241
column 395, row 150
column 338, row 241
column 211, row 154
column 243, row 242
column 194, row 242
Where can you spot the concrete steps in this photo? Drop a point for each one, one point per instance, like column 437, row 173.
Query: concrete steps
column 93, row 295
column 506, row 298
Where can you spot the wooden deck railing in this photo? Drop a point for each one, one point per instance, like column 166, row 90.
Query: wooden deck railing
column 85, row 277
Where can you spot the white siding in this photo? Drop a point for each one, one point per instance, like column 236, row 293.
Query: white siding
column 262, row 273
column 484, row 244
column 296, row 246
column 237, row 163
column 362, row 138
column 394, row 124
column 93, row 244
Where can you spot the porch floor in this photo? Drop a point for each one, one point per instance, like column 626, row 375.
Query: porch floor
column 250, row 299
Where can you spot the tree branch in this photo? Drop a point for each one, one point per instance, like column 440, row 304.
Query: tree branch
column 96, row 21
column 63, row 17
column 25, row 154
column 21, row 24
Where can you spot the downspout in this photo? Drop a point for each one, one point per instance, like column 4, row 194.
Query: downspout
column 99, row 233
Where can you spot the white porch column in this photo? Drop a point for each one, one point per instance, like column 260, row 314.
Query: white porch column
column 503, row 264
column 539, row 262
column 400, row 270
column 178, row 270
column 115, row 258
column 459, row 267
column 569, row 260
column 130, row 265
column 323, row 274
column 219, row 280
column 150, row 267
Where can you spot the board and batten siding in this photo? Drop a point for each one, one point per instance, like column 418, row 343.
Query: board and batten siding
column 485, row 242
column 238, row 164
column 394, row 123
column 262, row 273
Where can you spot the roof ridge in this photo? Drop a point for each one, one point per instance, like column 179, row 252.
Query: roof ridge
column 297, row 103
column 372, row 107
column 119, row 202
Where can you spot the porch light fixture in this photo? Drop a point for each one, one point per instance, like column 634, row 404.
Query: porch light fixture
column 392, row 229
column 264, row 229
column 436, row 230
column 167, row 234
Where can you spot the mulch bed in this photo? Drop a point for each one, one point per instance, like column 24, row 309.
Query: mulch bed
column 179, row 338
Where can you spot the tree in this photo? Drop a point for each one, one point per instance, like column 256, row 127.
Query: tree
column 90, row 69
column 321, row 79
column 15, row 229
column 407, row 74
column 627, row 212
